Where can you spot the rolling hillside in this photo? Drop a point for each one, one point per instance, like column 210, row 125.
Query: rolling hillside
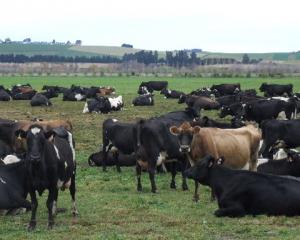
column 88, row 51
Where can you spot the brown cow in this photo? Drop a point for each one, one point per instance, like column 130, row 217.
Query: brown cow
column 238, row 146
column 104, row 91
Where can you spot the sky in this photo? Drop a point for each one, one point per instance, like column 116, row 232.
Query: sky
column 211, row 25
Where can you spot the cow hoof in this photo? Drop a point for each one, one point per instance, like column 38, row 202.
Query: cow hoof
column 218, row 213
column 154, row 191
column 50, row 225
column 31, row 226
column 173, row 185
column 139, row 189
column 196, row 198
column 185, row 187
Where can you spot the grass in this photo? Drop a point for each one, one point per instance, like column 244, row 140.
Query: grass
column 108, row 203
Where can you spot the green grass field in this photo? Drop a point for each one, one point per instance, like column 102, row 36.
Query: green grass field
column 108, row 203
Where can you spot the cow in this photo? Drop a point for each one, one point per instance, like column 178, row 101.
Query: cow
column 103, row 105
column 50, row 164
column 70, row 95
column 127, row 160
column 155, row 144
column 271, row 90
column 117, row 137
column 4, row 96
column 152, row 86
column 207, row 122
column 5, row 149
column 226, row 89
column 171, row 93
column 285, row 130
column 24, row 96
column 40, row 100
column 50, row 93
column 144, row 100
column 235, row 110
column 206, row 92
column 289, row 166
column 241, row 193
column 104, row 91
column 197, row 142
column 13, row 189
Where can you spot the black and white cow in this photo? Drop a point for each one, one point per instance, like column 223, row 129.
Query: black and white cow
column 50, row 164
column 72, row 95
column 155, row 144
column 240, row 192
column 171, row 93
column 103, row 105
column 144, row 100
column 273, row 130
column 40, row 100
column 117, row 137
column 271, row 90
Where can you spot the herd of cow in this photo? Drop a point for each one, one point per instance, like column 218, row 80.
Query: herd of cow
column 40, row 155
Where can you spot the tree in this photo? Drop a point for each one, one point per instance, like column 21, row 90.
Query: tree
column 245, row 59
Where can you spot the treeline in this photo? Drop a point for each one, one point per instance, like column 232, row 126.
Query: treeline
column 20, row 58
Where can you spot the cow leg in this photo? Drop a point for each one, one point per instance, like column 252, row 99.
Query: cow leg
column 138, row 176
column 34, row 205
column 232, row 210
column 196, row 195
column 151, row 171
column 116, row 157
column 105, row 149
column 173, row 184
column 72, row 192
column 51, row 205
column 184, row 183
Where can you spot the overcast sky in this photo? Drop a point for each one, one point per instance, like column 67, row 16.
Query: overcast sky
column 212, row 25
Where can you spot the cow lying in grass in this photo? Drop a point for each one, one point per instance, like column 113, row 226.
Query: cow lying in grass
column 241, row 193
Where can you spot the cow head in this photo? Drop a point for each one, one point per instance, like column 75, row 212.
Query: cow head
column 225, row 110
column 185, row 135
column 200, row 171
column 182, row 98
column 262, row 87
column 143, row 90
column 35, row 141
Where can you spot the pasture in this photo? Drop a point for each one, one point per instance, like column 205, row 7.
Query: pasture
column 108, row 203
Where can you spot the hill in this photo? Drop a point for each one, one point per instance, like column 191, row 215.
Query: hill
column 89, row 51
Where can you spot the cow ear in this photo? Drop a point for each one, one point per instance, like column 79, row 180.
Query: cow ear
column 49, row 135
column 174, row 130
column 196, row 129
column 220, row 160
column 20, row 133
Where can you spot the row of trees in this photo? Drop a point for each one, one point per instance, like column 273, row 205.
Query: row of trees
column 20, row 58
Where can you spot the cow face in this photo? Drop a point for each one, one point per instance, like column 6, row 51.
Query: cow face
column 200, row 171
column 185, row 135
column 225, row 110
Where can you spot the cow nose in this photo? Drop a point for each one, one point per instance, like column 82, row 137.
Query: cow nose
column 184, row 148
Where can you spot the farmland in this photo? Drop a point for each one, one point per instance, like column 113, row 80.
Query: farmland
column 108, row 203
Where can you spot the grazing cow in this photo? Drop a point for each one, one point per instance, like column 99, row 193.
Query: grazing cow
column 271, row 90
column 118, row 137
column 4, row 96
column 155, row 144
column 50, row 163
column 288, row 166
column 197, row 142
column 285, row 130
column 152, row 86
column 171, row 93
column 241, row 193
column 13, row 189
column 226, row 89
column 144, row 100
column 127, row 160
column 40, row 100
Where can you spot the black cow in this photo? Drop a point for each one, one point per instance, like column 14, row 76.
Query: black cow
column 206, row 92
column 73, row 95
column 171, row 93
column 153, row 86
column 240, row 192
column 98, row 105
column 40, row 100
column 226, row 89
column 155, row 144
column 50, row 93
column 289, row 166
column 207, row 122
column 227, row 100
column 24, row 96
column 5, row 149
column 13, row 189
column 91, row 92
column 127, row 160
column 235, row 109
column 273, row 130
column 4, row 96
column 144, row 100
column 271, row 90
column 119, row 137
column 50, row 163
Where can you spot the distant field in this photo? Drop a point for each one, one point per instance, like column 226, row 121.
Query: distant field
column 65, row 50
column 108, row 203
